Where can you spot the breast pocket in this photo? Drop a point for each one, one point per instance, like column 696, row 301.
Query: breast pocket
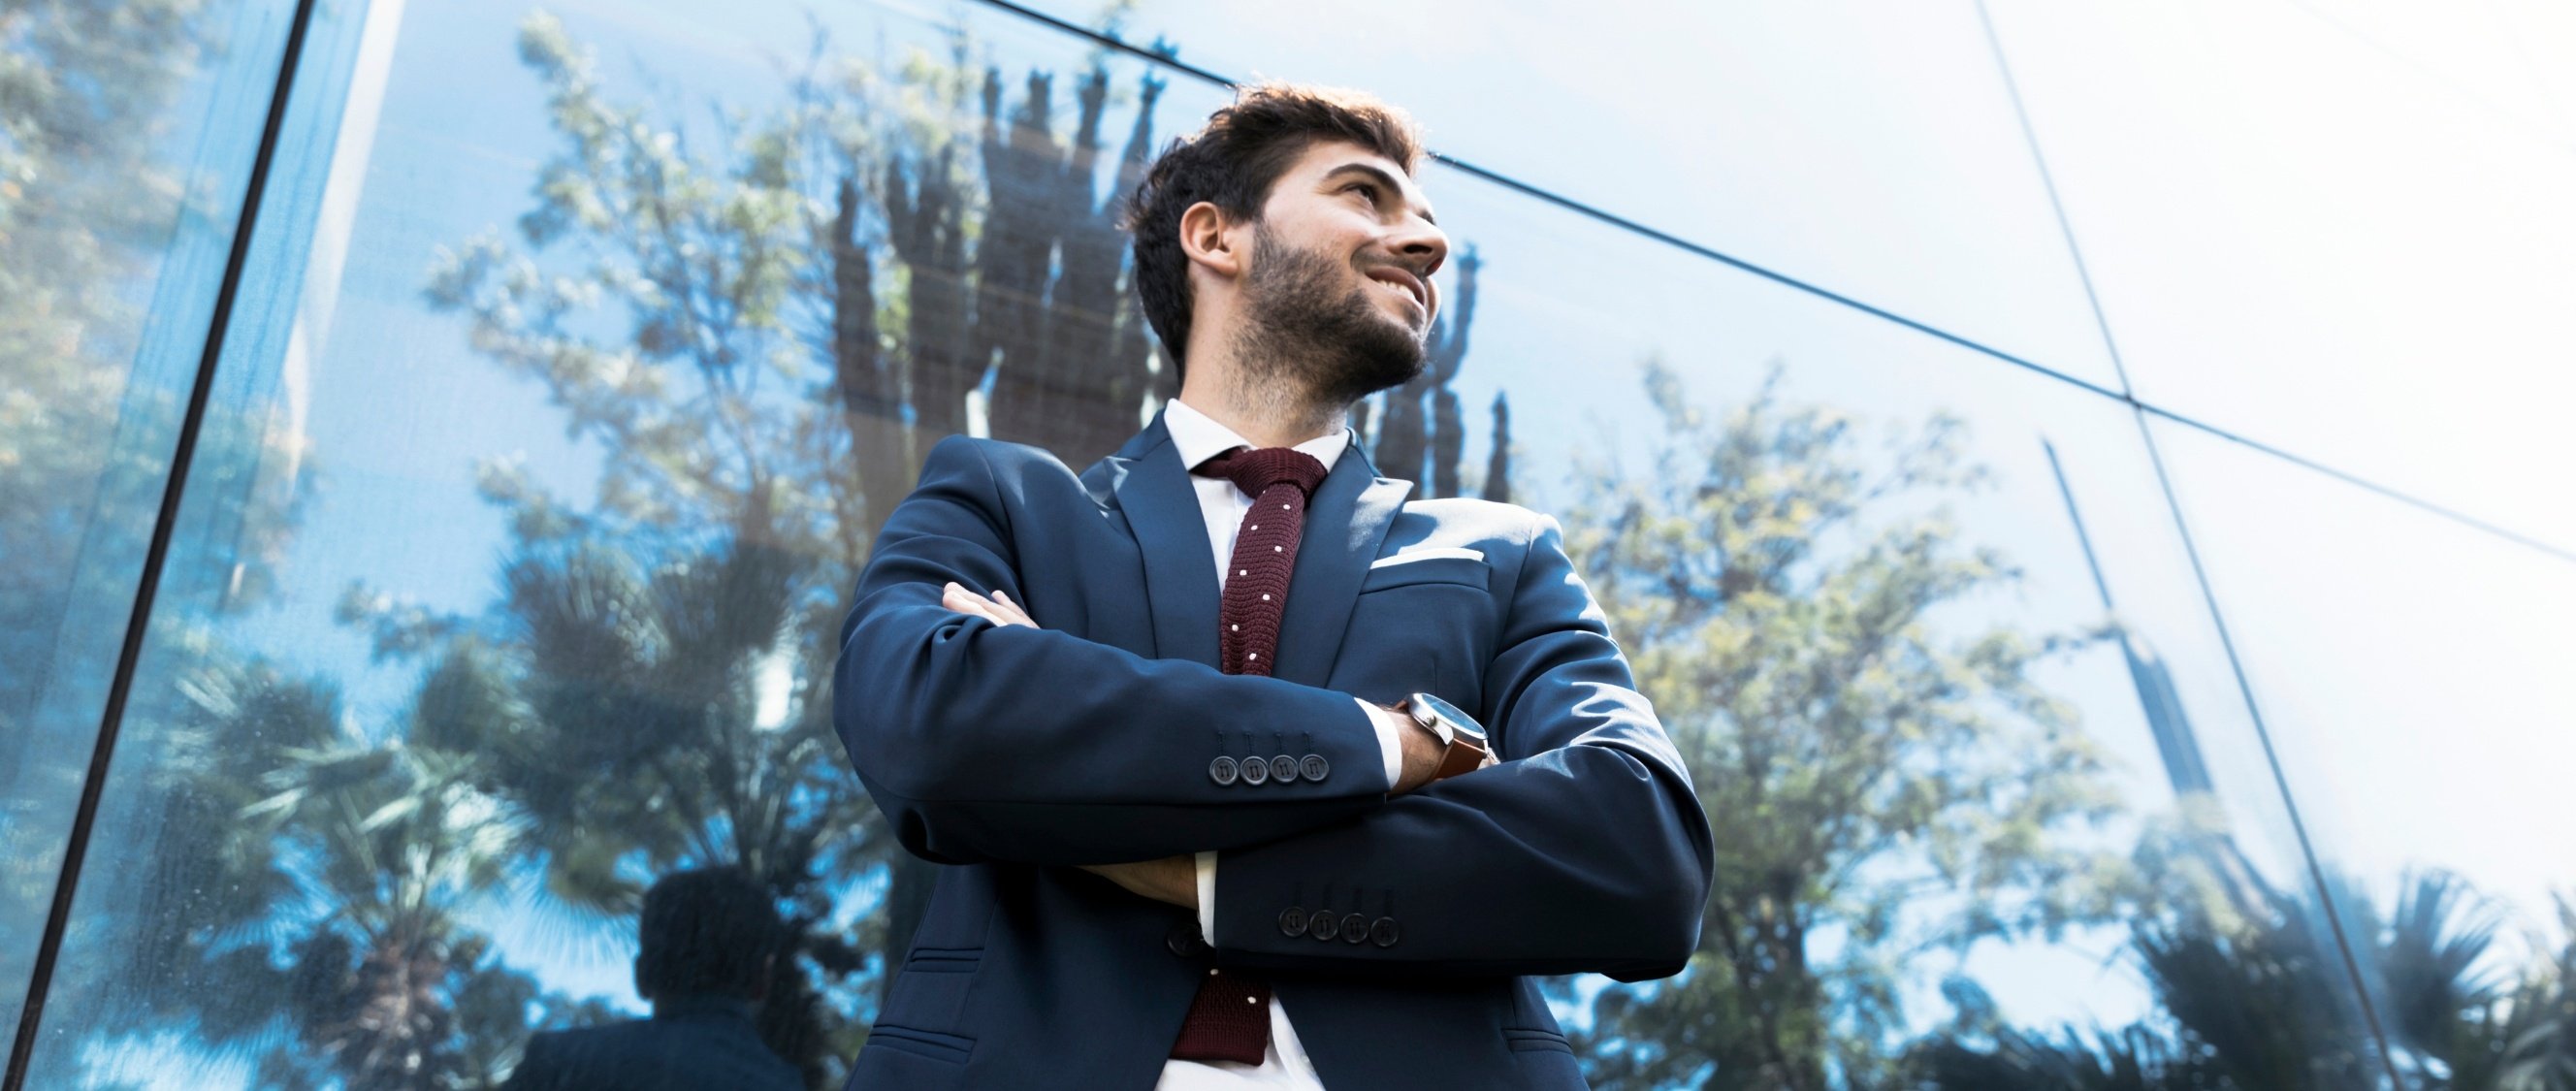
column 1402, row 571
column 1421, row 625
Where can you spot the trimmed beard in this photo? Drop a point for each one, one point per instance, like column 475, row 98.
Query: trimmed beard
column 1297, row 334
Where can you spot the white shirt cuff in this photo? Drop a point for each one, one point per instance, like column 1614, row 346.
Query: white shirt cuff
column 1207, row 897
column 1390, row 746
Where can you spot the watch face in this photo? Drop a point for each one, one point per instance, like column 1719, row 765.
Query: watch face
column 1458, row 720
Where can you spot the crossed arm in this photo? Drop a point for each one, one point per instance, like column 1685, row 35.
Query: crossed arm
column 1584, row 849
column 1175, row 879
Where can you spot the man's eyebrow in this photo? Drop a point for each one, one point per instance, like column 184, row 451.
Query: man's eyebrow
column 1383, row 178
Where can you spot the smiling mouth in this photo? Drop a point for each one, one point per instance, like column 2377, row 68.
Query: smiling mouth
column 1411, row 286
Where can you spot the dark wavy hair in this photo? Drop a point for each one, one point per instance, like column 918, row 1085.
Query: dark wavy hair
column 1232, row 162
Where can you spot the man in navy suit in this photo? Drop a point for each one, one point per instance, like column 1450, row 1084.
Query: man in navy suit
column 1197, row 731
column 708, row 944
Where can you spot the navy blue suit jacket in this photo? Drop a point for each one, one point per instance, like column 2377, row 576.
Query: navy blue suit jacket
column 690, row 1044
column 1013, row 753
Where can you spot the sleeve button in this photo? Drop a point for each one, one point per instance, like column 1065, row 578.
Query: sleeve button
column 1323, row 925
column 1292, row 921
column 1314, row 767
column 1284, row 769
column 1355, row 928
column 1383, row 933
column 1255, row 770
column 1222, row 770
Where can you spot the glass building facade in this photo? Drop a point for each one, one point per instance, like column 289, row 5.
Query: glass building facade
column 2081, row 484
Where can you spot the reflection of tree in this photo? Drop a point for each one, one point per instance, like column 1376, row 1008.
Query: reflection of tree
column 2256, row 998
column 1881, row 784
column 1408, row 427
column 95, row 223
column 652, row 675
column 321, row 876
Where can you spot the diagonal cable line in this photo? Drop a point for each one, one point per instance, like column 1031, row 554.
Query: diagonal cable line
column 2200, row 575
column 1604, row 216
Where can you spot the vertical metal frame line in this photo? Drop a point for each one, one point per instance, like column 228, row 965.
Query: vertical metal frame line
column 2199, row 572
column 103, row 751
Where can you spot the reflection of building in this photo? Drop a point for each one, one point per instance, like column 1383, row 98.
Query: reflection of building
column 2157, row 697
column 951, row 224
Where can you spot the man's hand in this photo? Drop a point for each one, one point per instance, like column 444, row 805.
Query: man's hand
column 1421, row 750
column 1173, row 879
column 998, row 608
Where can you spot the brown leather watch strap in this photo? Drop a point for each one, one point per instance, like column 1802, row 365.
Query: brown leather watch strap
column 1465, row 755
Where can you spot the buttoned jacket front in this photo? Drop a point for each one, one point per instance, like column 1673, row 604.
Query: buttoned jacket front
column 1012, row 754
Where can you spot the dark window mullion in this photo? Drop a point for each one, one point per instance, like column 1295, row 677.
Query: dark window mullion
column 57, row 918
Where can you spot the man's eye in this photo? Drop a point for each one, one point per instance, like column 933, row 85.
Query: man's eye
column 1369, row 188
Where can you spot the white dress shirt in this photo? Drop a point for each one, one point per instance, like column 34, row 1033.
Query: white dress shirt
column 1199, row 438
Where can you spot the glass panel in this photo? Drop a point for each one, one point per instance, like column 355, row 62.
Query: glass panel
column 2412, row 671
column 2309, row 240
column 592, row 396
column 1868, row 148
column 127, row 133
column 2139, row 879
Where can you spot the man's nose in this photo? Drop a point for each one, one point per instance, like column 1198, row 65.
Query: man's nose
column 1422, row 245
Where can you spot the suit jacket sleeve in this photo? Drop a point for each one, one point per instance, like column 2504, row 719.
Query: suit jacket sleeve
column 984, row 743
column 1584, row 850
column 539, row 1068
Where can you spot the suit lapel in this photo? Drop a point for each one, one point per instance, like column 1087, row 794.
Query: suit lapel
column 1345, row 526
column 1154, row 491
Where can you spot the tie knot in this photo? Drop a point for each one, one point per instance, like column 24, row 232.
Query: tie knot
column 1256, row 469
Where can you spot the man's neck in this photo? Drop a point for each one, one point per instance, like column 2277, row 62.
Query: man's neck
column 1266, row 418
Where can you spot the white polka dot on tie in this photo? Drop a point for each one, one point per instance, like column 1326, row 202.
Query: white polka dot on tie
column 1243, row 571
column 1211, row 973
column 1278, row 549
column 1252, row 655
column 1255, row 526
column 1236, row 628
column 1252, row 1000
column 1283, row 507
column 1265, row 598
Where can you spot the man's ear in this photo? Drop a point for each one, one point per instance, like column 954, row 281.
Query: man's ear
column 1212, row 240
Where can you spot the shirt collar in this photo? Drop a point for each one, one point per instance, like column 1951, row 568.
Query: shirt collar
column 1198, row 437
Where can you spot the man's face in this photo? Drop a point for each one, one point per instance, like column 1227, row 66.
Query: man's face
column 1339, row 284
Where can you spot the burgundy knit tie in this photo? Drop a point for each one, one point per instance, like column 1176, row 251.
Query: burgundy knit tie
column 1229, row 1019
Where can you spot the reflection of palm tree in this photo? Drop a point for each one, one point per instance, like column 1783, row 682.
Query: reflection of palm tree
column 322, row 876
column 641, row 713
column 2452, row 1022
column 2260, row 1001
column 398, row 836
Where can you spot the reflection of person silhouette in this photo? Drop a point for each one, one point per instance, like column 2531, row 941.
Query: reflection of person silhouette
column 709, row 941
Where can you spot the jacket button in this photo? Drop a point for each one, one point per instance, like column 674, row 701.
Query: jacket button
column 1355, row 928
column 1222, row 771
column 1323, row 925
column 1255, row 770
column 1383, row 933
column 1315, row 767
column 1292, row 921
column 1284, row 769
column 1183, row 940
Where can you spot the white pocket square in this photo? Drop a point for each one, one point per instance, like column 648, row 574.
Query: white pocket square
column 1412, row 555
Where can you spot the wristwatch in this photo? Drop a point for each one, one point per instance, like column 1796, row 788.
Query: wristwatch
column 1462, row 740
